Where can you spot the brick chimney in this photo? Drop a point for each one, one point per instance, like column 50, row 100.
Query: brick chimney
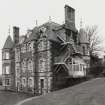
column 16, row 34
column 69, row 16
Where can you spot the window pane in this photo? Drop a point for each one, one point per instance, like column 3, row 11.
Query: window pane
column 7, row 69
column 30, row 82
column 7, row 55
column 7, row 81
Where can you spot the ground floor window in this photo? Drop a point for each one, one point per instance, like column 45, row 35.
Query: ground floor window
column 24, row 82
column 30, row 82
column 7, row 81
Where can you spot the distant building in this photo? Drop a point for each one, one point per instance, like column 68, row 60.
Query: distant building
column 42, row 60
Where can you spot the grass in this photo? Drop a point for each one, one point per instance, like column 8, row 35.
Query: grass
column 11, row 98
column 87, row 93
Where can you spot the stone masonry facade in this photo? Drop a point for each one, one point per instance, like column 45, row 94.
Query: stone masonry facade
column 45, row 57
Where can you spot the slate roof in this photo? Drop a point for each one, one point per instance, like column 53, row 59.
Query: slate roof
column 52, row 35
column 50, row 26
column 51, row 31
column 9, row 43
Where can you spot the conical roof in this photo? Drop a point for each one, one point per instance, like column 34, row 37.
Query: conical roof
column 83, row 37
column 8, row 43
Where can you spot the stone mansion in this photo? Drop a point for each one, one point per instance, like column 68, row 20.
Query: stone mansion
column 46, row 57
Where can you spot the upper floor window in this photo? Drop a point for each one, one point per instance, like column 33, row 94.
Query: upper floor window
column 7, row 69
column 42, row 64
column 6, row 55
column 23, row 48
column 30, row 46
column 24, row 66
column 30, row 65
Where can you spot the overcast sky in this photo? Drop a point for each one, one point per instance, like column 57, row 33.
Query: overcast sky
column 24, row 13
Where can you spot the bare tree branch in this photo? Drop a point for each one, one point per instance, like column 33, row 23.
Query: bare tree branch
column 93, row 38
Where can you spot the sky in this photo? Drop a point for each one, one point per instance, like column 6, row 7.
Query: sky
column 24, row 13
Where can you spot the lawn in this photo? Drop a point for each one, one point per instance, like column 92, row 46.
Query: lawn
column 11, row 98
column 87, row 93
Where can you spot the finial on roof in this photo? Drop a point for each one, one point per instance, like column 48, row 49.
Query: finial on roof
column 36, row 23
column 9, row 30
column 81, row 23
column 49, row 18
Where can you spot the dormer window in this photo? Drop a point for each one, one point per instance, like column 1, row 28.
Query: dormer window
column 42, row 31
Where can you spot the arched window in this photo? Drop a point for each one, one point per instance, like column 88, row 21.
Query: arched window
column 24, row 82
column 30, row 82
column 7, row 69
column 24, row 65
column 30, row 65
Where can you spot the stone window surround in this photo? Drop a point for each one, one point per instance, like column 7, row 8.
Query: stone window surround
column 7, row 82
column 6, row 55
column 24, row 65
column 30, row 82
column 30, row 65
column 30, row 46
column 24, row 84
column 7, row 69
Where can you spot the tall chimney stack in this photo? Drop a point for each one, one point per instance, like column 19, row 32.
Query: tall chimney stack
column 16, row 34
column 69, row 16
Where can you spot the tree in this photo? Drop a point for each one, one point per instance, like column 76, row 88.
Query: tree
column 94, row 39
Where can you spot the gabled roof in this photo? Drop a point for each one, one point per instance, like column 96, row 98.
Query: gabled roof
column 9, row 43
